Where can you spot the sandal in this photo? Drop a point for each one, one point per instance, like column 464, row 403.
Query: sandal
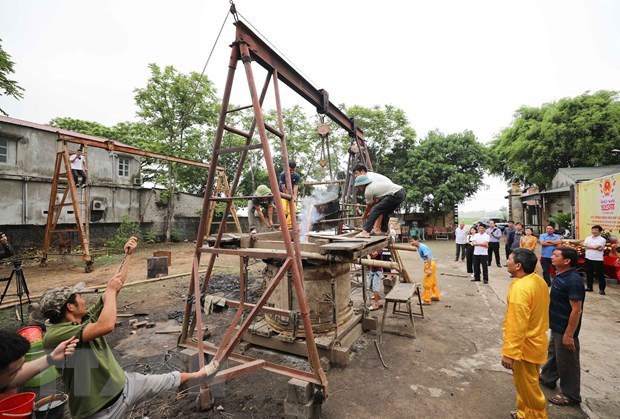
column 561, row 400
column 363, row 235
column 514, row 414
column 373, row 308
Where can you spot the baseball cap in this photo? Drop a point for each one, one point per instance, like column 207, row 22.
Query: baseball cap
column 54, row 299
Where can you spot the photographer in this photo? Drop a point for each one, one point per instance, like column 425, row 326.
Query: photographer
column 7, row 250
column 77, row 167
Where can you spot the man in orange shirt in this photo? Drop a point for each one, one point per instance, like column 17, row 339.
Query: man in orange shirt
column 525, row 332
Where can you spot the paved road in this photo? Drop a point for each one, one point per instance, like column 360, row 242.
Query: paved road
column 453, row 368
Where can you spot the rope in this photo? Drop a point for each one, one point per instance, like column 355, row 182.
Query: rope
column 192, row 103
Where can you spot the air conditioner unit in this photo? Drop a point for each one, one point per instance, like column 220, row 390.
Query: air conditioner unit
column 100, row 204
column 137, row 180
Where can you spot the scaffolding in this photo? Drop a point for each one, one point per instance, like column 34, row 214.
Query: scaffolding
column 65, row 193
column 249, row 49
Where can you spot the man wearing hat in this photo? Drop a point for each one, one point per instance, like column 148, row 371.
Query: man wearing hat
column 382, row 198
column 95, row 382
column 257, row 205
column 289, row 206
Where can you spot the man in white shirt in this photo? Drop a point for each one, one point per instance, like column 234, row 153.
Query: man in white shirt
column 381, row 200
column 360, row 170
column 595, row 245
column 480, row 241
column 460, row 237
column 77, row 167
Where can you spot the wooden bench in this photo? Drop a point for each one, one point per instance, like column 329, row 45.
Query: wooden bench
column 401, row 294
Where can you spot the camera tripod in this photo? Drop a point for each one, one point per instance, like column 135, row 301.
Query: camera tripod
column 20, row 282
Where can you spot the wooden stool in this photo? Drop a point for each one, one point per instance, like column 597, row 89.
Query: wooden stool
column 401, row 294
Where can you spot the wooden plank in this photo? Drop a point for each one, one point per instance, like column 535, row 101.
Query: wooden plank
column 279, row 245
column 401, row 292
column 344, row 246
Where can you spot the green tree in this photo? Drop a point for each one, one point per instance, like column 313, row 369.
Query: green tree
column 571, row 132
column 384, row 128
column 8, row 87
column 182, row 111
column 444, row 170
column 84, row 127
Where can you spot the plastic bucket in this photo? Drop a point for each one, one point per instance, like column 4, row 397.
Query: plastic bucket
column 18, row 405
column 51, row 407
column 31, row 333
column 47, row 375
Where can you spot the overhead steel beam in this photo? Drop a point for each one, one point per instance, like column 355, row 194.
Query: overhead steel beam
column 270, row 60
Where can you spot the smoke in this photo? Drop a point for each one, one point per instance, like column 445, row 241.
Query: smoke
column 309, row 214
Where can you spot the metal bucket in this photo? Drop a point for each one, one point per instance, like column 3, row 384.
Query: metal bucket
column 329, row 210
column 325, row 300
column 51, row 407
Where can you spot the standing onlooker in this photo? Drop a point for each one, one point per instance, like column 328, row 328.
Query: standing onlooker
column 549, row 242
column 460, row 237
column 7, row 250
column 381, row 199
column 263, row 201
column 469, row 251
column 431, row 292
column 289, row 206
column 567, row 298
column 375, row 275
column 525, row 332
column 494, row 235
column 77, row 167
column 480, row 242
column 509, row 236
column 595, row 245
column 528, row 241
column 516, row 237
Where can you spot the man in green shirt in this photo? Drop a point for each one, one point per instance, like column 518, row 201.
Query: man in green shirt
column 96, row 384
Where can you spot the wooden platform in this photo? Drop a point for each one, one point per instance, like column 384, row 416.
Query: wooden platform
column 261, row 334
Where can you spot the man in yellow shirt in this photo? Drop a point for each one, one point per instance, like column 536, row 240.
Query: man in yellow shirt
column 525, row 332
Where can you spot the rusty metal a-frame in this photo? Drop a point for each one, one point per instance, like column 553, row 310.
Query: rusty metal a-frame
column 78, row 199
column 249, row 49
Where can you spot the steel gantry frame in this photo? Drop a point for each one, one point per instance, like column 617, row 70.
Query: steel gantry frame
column 62, row 170
column 249, row 48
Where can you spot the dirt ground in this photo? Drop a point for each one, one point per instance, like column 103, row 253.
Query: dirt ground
column 452, row 369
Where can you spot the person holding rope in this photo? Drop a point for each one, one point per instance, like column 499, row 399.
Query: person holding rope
column 15, row 371
column 96, row 384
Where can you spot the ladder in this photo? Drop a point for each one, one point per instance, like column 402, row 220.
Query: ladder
column 221, row 188
column 65, row 195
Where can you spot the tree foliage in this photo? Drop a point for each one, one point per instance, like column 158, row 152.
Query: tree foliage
column 443, row 170
column 571, row 132
column 384, row 128
column 8, row 87
column 181, row 112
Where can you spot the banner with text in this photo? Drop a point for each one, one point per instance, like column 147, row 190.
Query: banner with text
column 598, row 202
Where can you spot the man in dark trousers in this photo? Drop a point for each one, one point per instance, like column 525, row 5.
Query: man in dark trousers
column 494, row 235
column 567, row 297
column 509, row 235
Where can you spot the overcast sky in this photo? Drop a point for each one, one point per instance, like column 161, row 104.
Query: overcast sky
column 451, row 65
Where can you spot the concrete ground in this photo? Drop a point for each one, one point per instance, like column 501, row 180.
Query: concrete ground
column 453, row 367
